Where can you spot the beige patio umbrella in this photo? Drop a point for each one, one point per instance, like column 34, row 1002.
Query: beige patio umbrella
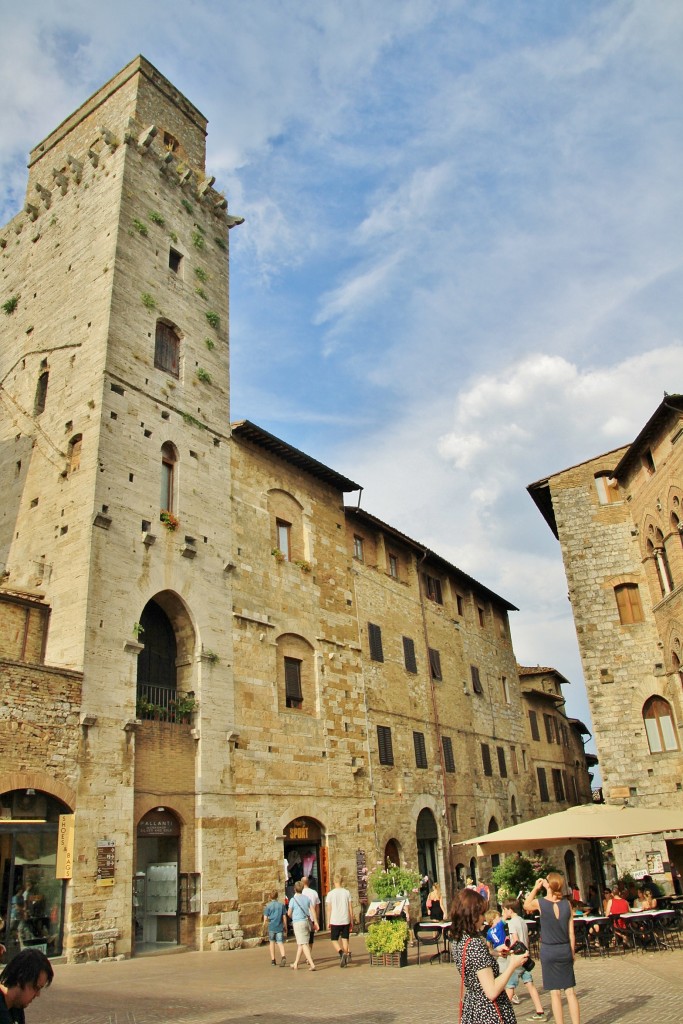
column 583, row 823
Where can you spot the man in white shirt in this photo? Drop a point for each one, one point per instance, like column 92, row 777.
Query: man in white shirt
column 315, row 903
column 340, row 918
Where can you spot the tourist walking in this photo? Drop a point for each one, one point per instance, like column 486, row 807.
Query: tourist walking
column 274, row 917
column 482, row 983
column 24, row 978
column 314, row 899
column 340, row 918
column 557, row 944
column 300, row 913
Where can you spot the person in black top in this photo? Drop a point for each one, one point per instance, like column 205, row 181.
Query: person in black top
column 21, row 981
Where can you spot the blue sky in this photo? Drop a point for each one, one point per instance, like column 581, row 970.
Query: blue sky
column 461, row 265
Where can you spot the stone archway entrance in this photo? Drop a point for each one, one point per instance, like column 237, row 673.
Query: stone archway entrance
column 304, row 854
column 427, row 836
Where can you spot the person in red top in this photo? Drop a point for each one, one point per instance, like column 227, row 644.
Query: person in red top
column 617, row 905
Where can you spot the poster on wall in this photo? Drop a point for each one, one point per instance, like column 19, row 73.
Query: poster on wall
column 655, row 863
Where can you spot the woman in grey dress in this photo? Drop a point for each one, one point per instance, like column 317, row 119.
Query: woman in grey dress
column 557, row 944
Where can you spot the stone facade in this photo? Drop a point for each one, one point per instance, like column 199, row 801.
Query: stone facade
column 618, row 518
column 212, row 698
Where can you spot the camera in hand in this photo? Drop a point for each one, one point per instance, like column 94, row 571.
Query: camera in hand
column 518, row 948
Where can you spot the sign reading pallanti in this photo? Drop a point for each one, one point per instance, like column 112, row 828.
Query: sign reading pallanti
column 65, row 846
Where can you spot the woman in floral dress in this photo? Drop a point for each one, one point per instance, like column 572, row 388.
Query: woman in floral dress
column 483, row 998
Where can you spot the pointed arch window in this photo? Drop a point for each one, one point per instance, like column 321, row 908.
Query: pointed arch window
column 659, row 725
column 75, row 445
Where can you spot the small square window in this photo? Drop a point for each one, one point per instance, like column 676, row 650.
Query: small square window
column 175, row 260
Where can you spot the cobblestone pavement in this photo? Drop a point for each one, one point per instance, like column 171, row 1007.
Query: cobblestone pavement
column 210, row 988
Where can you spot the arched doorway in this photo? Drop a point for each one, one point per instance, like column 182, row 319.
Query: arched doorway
column 495, row 857
column 304, row 854
column 31, row 897
column 391, row 854
column 570, row 869
column 155, row 889
column 473, row 869
column 427, row 836
column 460, row 876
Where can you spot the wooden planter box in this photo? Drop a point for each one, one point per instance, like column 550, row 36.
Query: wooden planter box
column 389, row 959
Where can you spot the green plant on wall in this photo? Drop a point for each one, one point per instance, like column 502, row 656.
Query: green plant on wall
column 201, row 274
column 221, row 243
column 210, row 656
column 11, row 304
column 303, row 565
column 203, row 375
column 156, row 218
column 170, row 521
column 201, row 293
column 147, row 301
column 197, row 240
column 140, row 227
column 213, row 318
column 138, row 630
column 174, row 238
column 209, row 344
column 188, row 206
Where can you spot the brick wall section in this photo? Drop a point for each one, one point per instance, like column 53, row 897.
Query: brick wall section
column 39, row 720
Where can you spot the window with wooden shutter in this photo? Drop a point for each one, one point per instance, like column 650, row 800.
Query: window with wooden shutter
column 420, row 750
column 543, row 785
column 167, row 349
column 435, row 664
column 502, row 766
column 409, row 655
column 476, row 679
column 433, row 588
column 386, row 751
column 533, row 722
column 293, row 694
column 558, row 785
column 628, row 603
column 375, row 641
column 548, row 722
column 513, row 759
column 448, row 758
column 486, row 759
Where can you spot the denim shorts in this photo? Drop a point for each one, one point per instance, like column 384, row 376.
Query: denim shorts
column 519, row 975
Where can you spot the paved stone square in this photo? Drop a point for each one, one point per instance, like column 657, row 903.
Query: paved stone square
column 243, row 986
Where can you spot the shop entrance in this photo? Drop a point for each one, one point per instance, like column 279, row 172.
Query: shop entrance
column 31, row 897
column 305, row 855
column 155, row 886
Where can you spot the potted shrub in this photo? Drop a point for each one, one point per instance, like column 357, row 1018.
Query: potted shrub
column 387, row 939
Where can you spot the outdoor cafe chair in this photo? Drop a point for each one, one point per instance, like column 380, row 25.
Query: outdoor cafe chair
column 426, row 936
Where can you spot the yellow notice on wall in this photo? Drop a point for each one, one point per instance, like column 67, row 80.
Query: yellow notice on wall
column 65, row 846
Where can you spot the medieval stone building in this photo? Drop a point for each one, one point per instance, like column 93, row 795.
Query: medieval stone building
column 619, row 520
column 215, row 676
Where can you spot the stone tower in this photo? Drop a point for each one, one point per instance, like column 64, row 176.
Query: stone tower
column 114, row 371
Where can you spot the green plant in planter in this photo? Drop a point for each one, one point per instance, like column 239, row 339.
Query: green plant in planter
column 183, row 705
column 517, row 874
column 278, row 555
column 170, row 521
column 303, row 565
column 387, row 937
column 387, row 883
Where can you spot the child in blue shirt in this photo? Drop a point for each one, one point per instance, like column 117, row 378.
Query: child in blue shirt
column 274, row 916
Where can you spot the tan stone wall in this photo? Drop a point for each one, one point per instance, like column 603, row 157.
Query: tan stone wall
column 625, row 664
